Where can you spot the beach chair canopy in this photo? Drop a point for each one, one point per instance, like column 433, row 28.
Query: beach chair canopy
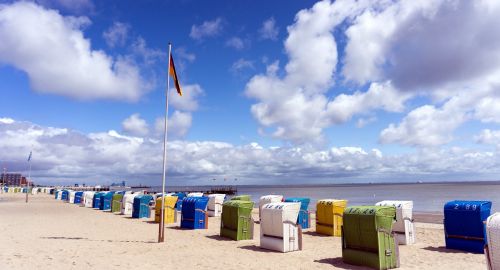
column 268, row 199
column 180, row 196
column 304, row 218
column 128, row 203
column 106, row 200
column 96, row 201
column 493, row 237
column 78, row 197
column 278, row 228
column 329, row 213
column 367, row 237
column 404, row 228
column 236, row 220
column 195, row 194
column 116, row 204
column 88, row 197
column 141, row 206
column 194, row 215
column 464, row 225
column 214, row 206
column 168, row 209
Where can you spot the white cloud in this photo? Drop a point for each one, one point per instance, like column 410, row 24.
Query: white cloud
column 62, row 154
column 179, row 124
column 269, row 29
column 236, row 43
column 148, row 55
column 135, row 125
column 58, row 59
column 6, row 120
column 189, row 99
column 488, row 136
column 207, row 29
column 182, row 53
column 116, row 35
column 241, row 64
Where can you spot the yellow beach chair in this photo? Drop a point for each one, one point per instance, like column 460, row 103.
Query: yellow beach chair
column 329, row 213
column 169, row 209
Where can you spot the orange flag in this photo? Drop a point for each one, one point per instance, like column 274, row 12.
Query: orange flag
column 173, row 73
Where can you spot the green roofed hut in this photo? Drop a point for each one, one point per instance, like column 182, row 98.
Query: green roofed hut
column 367, row 237
column 236, row 220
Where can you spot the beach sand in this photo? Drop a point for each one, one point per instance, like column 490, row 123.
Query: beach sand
column 50, row 234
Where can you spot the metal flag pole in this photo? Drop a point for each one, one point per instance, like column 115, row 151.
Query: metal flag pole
column 161, row 229
column 29, row 177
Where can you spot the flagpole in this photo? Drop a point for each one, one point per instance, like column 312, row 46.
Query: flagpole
column 161, row 229
column 29, row 177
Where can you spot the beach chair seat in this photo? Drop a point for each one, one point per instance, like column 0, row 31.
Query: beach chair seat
column 367, row 237
column 194, row 213
column 492, row 250
column 278, row 227
column 329, row 216
column 168, row 210
column 116, row 204
column 236, row 220
column 464, row 225
column 263, row 200
column 141, row 206
column 404, row 228
column 304, row 219
column 214, row 207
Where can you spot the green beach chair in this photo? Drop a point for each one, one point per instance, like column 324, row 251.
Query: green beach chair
column 236, row 220
column 367, row 237
column 116, row 205
column 241, row 198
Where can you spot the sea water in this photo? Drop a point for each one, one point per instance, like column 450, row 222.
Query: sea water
column 427, row 197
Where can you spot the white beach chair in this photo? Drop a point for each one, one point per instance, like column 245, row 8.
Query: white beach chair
column 404, row 228
column 34, row 191
column 59, row 194
column 195, row 194
column 268, row 199
column 214, row 207
column 278, row 228
column 88, row 199
column 128, row 204
column 71, row 195
column 492, row 251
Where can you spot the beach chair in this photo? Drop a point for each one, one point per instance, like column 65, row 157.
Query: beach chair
column 78, row 197
column 367, row 237
column 71, row 197
column 168, row 209
column 116, row 204
column 34, row 191
column 180, row 196
column 65, row 195
column 194, row 213
column 96, row 201
column 329, row 213
column 404, row 228
column 128, row 204
column 195, row 194
column 278, row 227
column 242, row 198
column 106, row 201
column 88, row 197
column 263, row 200
column 492, row 250
column 464, row 225
column 304, row 219
column 236, row 220
column 214, row 207
column 141, row 206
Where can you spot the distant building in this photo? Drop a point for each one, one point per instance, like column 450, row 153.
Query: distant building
column 12, row 179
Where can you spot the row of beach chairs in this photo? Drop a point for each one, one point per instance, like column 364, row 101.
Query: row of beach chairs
column 370, row 235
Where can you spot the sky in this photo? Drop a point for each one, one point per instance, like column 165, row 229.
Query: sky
column 273, row 93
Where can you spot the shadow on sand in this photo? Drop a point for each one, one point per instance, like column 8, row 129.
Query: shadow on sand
column 258, row 249
column 95, row 240
column 337, row 262
column 443, row 249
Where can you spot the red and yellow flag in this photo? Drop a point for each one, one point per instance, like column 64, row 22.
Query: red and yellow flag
column 174, row 76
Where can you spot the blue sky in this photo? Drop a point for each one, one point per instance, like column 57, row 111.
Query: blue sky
column 275, row 93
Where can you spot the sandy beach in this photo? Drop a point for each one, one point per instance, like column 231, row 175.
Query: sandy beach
column 50, row 234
